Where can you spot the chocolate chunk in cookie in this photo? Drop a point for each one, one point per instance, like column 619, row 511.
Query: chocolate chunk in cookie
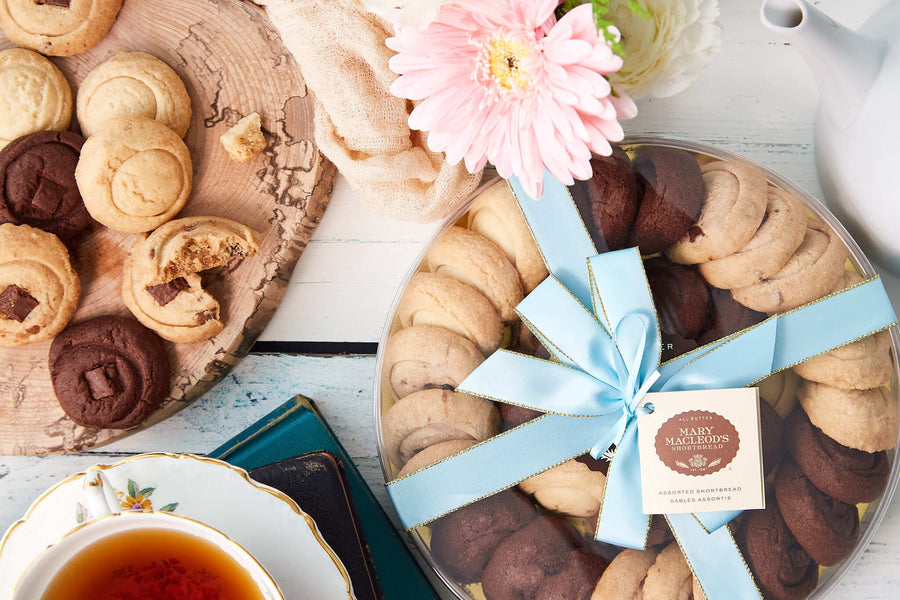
column 37, row 183
column 16, row 303
column 109, row 372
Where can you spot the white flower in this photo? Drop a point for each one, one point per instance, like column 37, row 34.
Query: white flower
column 665, row 53
column 415, row 13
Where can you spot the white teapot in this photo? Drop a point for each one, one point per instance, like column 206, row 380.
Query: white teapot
column 857, row 141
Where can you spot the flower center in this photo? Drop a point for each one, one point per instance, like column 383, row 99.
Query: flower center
column 504, row 61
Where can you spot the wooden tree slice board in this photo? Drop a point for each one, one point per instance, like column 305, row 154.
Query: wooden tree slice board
column 233, row 63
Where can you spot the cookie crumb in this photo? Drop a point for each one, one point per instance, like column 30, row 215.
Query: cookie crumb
column 245, row 139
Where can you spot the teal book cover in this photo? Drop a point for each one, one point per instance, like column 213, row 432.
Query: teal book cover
column 297, row 428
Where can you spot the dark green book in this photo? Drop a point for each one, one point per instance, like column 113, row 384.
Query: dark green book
column 297, row 428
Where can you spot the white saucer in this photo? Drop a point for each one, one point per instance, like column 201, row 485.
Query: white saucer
column 267, row 523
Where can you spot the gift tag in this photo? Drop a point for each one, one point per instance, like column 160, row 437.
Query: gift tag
column 701, row 451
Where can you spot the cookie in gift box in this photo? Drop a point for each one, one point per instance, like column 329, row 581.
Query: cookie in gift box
column 754, row 246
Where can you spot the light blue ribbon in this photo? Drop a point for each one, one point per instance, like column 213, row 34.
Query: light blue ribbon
column 607, row 359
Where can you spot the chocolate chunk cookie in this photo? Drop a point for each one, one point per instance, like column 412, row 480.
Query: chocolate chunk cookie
column 109, row 372
column 37, row 183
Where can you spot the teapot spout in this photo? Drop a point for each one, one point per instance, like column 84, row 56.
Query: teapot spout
column 844, row 63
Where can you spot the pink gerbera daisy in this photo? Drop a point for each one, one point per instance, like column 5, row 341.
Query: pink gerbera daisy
column 503, row 81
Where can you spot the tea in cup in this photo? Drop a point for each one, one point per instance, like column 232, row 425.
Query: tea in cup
column 144, row 555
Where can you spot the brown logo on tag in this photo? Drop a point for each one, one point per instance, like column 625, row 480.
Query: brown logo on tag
column 697, row 442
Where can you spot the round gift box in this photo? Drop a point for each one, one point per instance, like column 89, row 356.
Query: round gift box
column 871, row 514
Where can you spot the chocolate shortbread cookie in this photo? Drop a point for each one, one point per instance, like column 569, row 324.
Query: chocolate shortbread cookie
column 827, row 528
column 682, row 303
column 109, row 372
column 673, row 195
column 613, row 194
column 847, row 474
column 37, row 183
column 525, row 559
column 727, row 316
column 782, row 568
column 463, row 541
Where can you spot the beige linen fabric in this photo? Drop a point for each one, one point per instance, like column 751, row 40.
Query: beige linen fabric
column 360, row 126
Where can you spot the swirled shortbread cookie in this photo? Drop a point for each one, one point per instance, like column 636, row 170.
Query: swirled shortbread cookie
column 442, row 301
column 134, row 174
column 863, row 419
column 733, row 208
column 496, row 215
column 133, row 83
column 776, row 240
column 34, row 95
column 424, row 357
column 58, row 27
column 39, row 289
column 812, row 272
column 429, row 417
column 474, row 259
column 161, row 282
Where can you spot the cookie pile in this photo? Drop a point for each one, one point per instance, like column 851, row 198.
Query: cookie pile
column 723, row 249
column 133, row 173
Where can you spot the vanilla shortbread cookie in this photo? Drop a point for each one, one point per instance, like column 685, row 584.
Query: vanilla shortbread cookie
column 780, row 391
column 669, row 577
column 58, row 27
column 133, row 83
column 134, row 174
column 474, row 259
column 864, row 364
column 422, row 357
column 442, row 301
column 495, row 214
column 34, row 95
column 624, row 578
column 434, row 453
column 812, row 272
column 161, row 282
column 39, row 289
column 571, row 488
column 861, row 419
column 245, row 139
column 430, row 417
column 733, row 208
column 776, row 240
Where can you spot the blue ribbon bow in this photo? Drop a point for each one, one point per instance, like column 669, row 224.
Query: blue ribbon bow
column 606, row 361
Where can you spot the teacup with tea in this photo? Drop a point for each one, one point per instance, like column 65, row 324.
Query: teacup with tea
column 142, row 555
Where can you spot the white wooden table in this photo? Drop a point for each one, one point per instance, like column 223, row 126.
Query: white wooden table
column 756, row 98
